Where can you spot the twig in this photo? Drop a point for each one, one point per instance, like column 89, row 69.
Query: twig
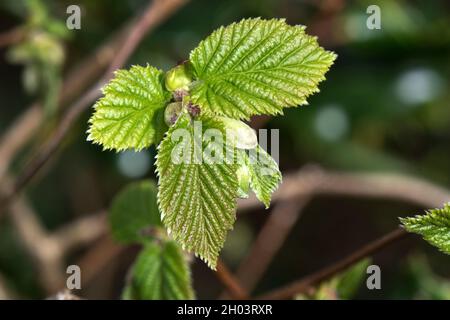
column 45, row 253
column 97, row 257
column 315, row 181
column 82, row 231
column 304, row 284
column 230, row 282
column 270, row 239
column 156, row 12
column 18, row 134
column 24, row 128
column 11, row 37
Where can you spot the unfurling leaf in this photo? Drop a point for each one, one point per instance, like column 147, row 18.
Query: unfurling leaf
column 124, row 118
column 133, row 210
column 264, row 174
column 257, row 66
column 434, row 227
column 197, row 199
column 160, row 272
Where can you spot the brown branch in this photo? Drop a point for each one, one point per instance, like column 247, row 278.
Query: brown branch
column 230, row 282
column 45, row 253
column 97, row 258
column 305, row 284
column 25, row 127
column 315, row 181
column 11, row 37
column 270, row 239
column 156, row 12
column 82, row 231
column 17, row 136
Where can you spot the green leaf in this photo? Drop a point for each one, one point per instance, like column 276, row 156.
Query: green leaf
column 197, row 199
column 434, row 227
column 160, row 273
column 133, row 210
column 343, row 286
column 349, row 282
column 264, row 174
column 257, row 66
column 124, row 117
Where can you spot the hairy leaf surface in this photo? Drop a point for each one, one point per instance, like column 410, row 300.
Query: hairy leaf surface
column 197, row 199
column 257, row 66
column 434, row 227
column 264, row 174
column 125, row 117
column 160, row 273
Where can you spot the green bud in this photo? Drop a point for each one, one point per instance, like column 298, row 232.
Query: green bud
column 172, row 112
column 178, row 78
column 243, row 136
column 243, row 175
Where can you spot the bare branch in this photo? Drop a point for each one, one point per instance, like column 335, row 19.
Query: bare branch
column 304, row 284
column 231, row 284
column 156, row 12
column 82, row 231
column 270, row 239
column 315, row 181
column 11, row 37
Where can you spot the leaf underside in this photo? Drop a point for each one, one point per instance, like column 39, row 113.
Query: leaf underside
column 257, row 66
column 160, row 273
column 434, row 227
column 197, row 201
column 124, row 117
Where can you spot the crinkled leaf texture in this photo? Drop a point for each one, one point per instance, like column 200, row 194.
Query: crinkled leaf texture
column 434, row 227
column 264, row 174
column 125, row 117
column 160, row 273
column 257, row 66
column 197, row 200
column 133, row 210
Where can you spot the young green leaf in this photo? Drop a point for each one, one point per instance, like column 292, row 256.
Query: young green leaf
column 160, row 273
column 264, row 174
column 350, row 281
column 124, row 117
column 434, row 227
column 343, row 286
column 197, row 199
column 133, row 210
column 257, row 66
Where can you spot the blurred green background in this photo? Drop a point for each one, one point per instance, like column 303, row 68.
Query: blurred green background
column 383, row 108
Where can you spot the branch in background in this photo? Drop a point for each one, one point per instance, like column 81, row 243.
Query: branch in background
column 11, row 37
column 232, row 285
column 98, row 257
column 25, row 127
column 269, row 241
column 81, row 232
column 46, row 254
column 303, row 285
column 301, row 186
column 155, row 13
column 48, row 251
column 315, row 181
